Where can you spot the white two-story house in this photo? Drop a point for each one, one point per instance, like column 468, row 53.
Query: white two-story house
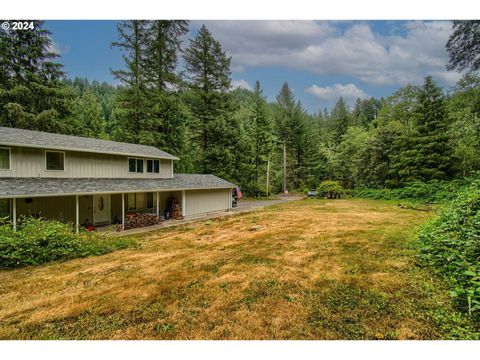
column 96, row 182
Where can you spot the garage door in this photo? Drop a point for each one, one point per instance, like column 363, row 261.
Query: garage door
column 203, row 201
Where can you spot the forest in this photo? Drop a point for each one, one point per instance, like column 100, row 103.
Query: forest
column 179, row 97
column 421, row 143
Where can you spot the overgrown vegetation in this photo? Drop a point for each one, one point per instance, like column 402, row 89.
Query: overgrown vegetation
column 434, row 191
column 450, row 244
column 39, row 241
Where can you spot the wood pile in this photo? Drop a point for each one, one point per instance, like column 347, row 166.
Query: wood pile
column 177, row 211
column 133, row 221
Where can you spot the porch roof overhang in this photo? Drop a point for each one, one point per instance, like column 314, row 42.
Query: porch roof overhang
column 45, row 187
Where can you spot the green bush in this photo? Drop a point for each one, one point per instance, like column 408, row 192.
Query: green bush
column 434, row 191
column 330, row 189
column 39, row 241
column 451, row 245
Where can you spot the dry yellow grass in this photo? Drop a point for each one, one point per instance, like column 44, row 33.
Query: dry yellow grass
column 303, row 270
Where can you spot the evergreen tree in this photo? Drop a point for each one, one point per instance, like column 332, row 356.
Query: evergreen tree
column 88, row 113
column 340, row 119
column 31, row 93
column 433, row 144
column 423, row 151
column 463, row 46
column 163, row 45
column 262, row 133
column 296, row 131
column 208, row 74
column 132, row 102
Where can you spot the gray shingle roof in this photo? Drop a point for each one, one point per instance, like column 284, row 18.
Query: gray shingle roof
column 32, row 187
column 39, row 139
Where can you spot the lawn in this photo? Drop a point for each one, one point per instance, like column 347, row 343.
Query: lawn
column 309, row 269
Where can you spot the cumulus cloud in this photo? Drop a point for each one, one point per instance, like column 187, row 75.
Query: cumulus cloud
column 325, row 48
column 349, row 92
column 243, row 84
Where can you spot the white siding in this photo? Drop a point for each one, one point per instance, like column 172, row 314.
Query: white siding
column 204, row 201
column 30, row 162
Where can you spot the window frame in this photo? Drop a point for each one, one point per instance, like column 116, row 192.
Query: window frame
column 9, row 158
column 153, row 161
column 134, row 195
column 137, row 160
column 128, row 165
column 54, row 151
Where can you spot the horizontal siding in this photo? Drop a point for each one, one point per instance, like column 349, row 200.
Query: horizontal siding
column 30, row 162
column 204, row 201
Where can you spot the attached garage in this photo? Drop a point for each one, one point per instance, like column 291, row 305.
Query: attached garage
column 206, row 201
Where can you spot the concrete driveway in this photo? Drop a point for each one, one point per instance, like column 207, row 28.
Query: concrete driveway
column 247, row 205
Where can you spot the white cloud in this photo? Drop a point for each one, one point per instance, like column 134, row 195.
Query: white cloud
column 323, row 48
column 349, row 92
column 243, row 84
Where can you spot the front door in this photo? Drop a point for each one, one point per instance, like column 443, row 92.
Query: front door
column 101, row 209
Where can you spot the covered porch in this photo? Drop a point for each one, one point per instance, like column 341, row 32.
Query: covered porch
column 87, row 202
column 92, row 211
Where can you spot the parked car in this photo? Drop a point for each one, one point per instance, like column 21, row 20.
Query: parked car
column 312, row 193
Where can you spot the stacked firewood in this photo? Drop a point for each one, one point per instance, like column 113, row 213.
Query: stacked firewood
column 133, row 221
column 177, row 211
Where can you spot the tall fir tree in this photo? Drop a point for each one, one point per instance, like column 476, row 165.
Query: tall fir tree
column 166, row 127
column 435, row 158
column 208, row 75
column 340, row 119
column 423, row 152
column 132, row 102
column 31, row 93
column 262, row 134
column 296, row 132
column 164, row 38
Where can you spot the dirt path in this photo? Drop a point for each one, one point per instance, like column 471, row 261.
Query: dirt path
column 306, row 269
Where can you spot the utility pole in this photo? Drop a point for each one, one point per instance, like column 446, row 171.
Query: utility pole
column 285, row 191
column 268, row 175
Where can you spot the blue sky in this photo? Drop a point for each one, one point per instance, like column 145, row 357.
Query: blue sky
column 321, row 60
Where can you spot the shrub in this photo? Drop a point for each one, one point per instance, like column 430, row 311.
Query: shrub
column 330, row 189
column 451, row 245
column 434, row 191
column 39, row 241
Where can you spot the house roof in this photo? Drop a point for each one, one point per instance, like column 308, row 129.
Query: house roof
column 44, row 140
column 40, row 187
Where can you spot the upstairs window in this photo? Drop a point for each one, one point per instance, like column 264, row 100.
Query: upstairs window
column 4, row 159
column 55, row 160
column 153, row 166
column 135, row 165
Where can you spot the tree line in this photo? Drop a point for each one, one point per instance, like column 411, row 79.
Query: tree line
column 419, row 133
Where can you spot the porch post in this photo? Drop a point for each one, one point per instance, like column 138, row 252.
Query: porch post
column 123, row 211
column 14, row 213
column 158, row 204
column 183, row 203
column 77, row 211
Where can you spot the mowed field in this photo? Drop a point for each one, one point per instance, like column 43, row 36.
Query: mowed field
column 309, row 269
